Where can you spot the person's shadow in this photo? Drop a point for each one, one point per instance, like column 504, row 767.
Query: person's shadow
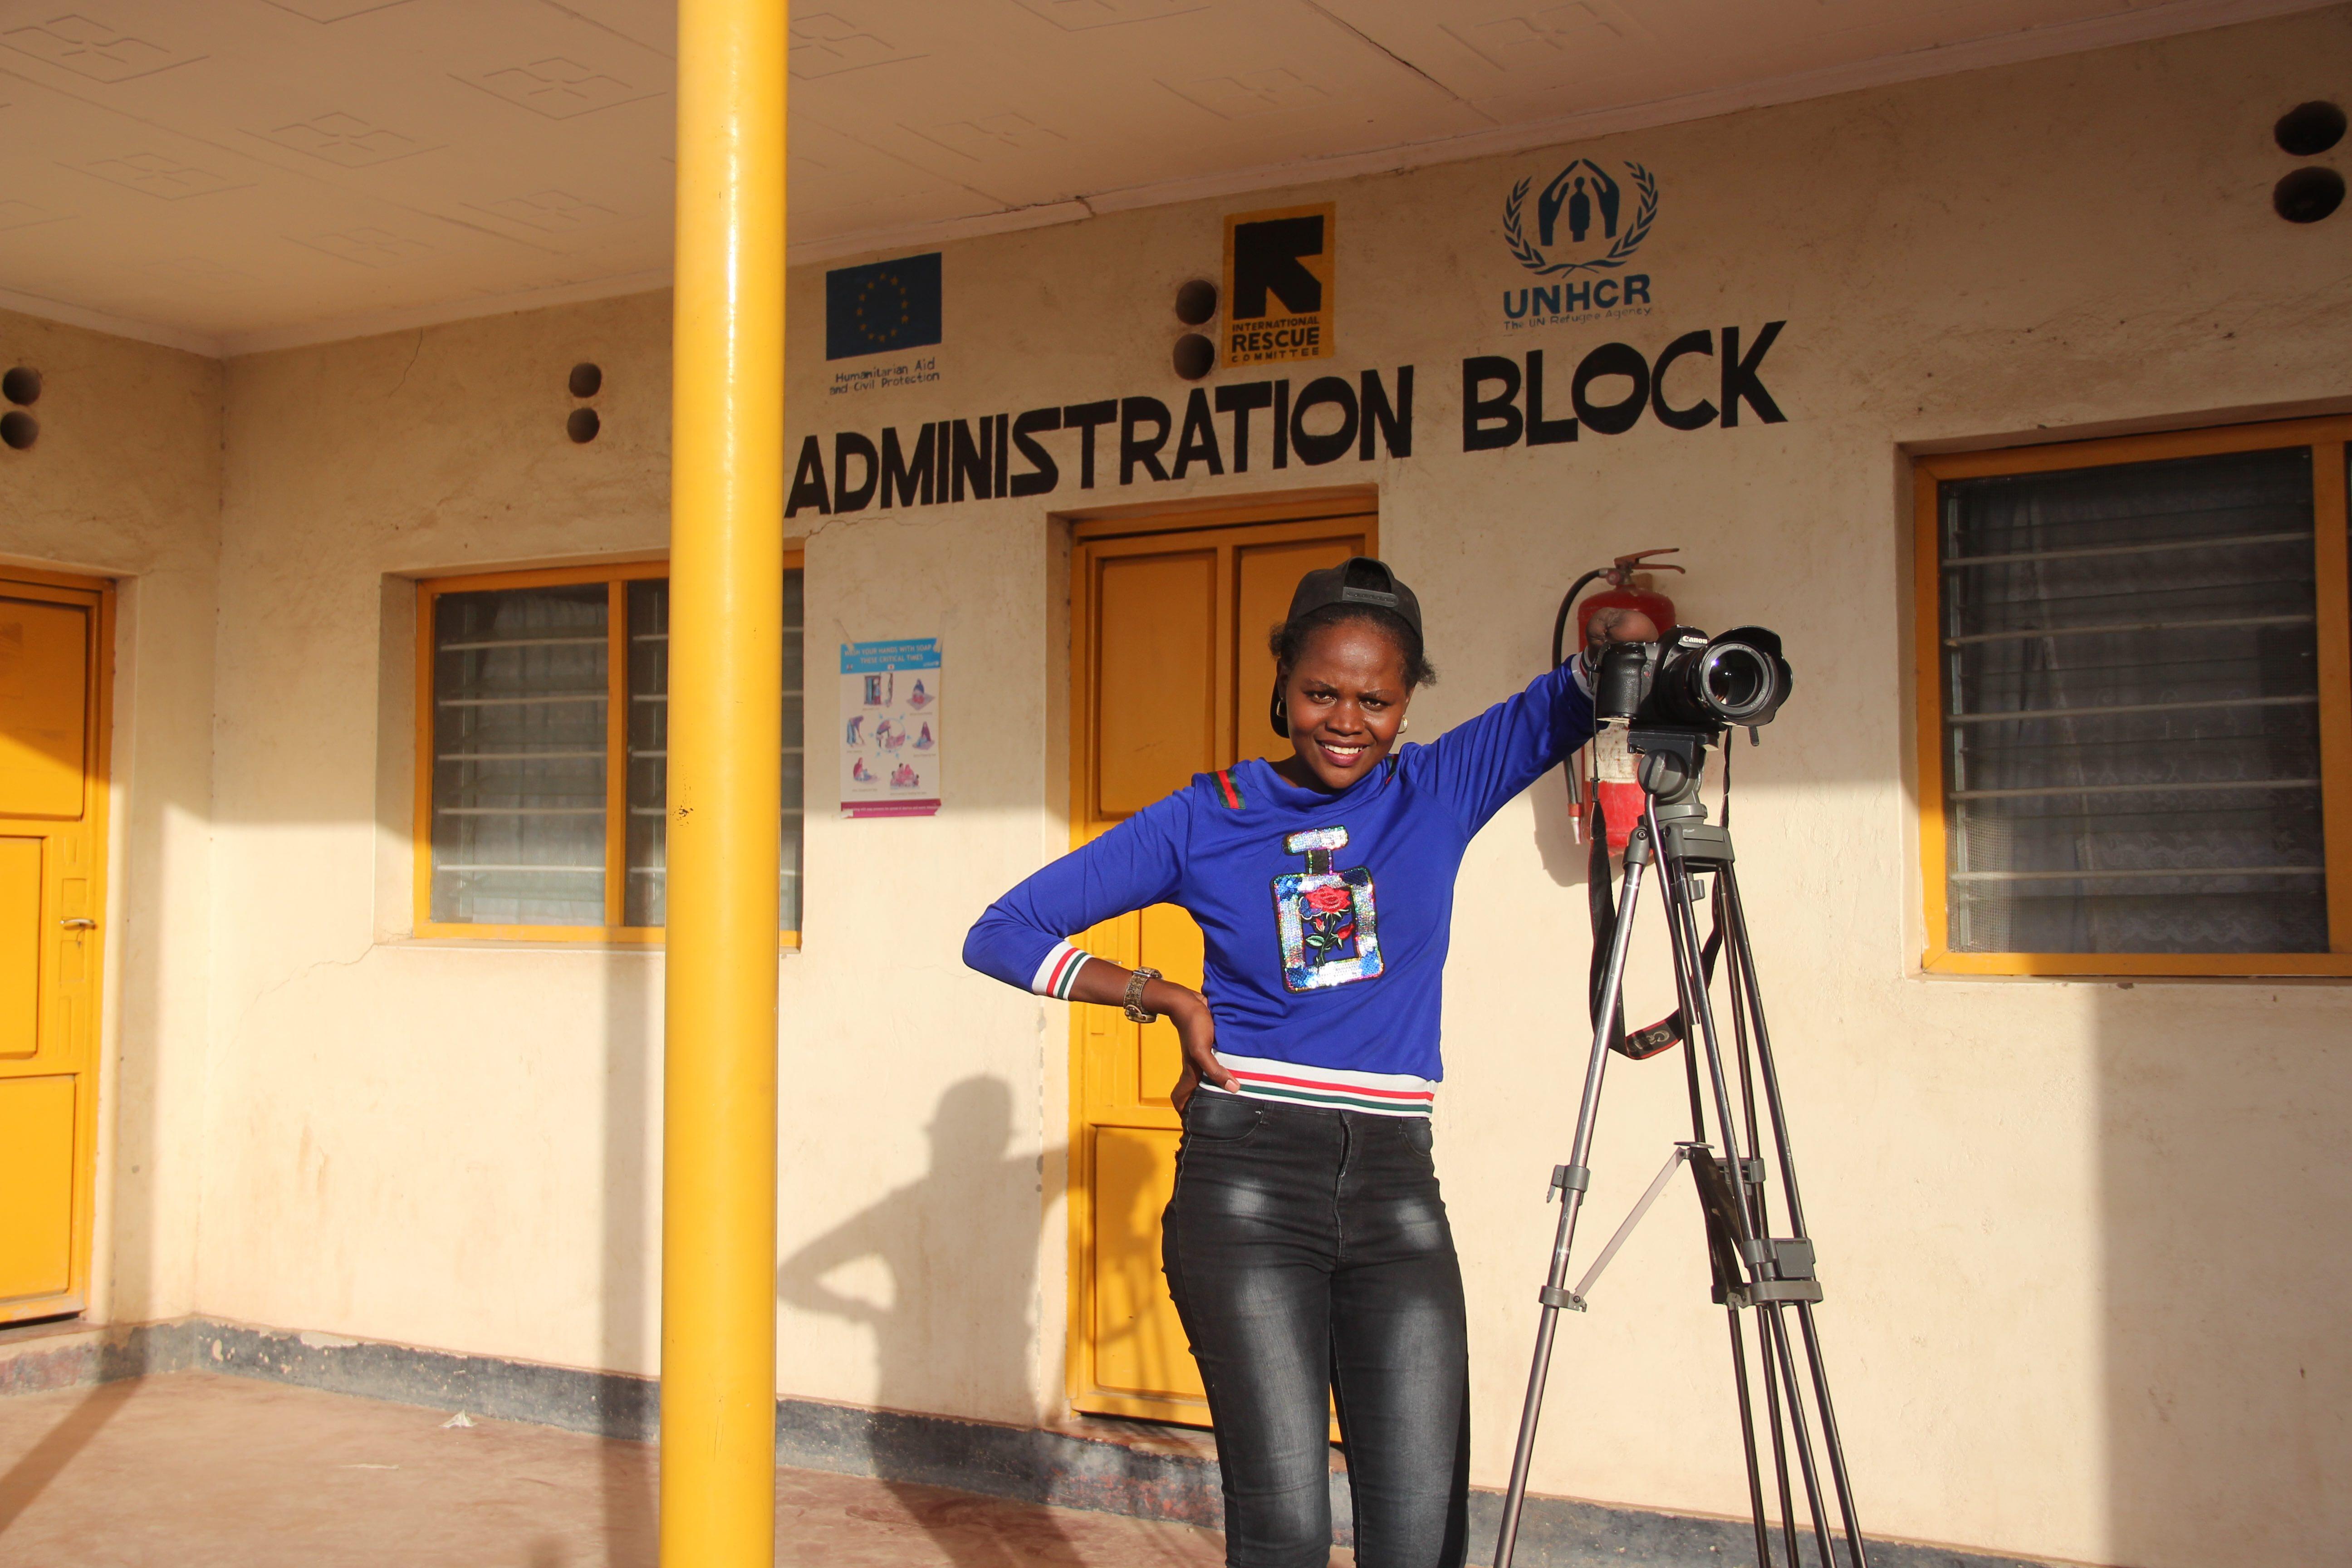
column 960, row 1245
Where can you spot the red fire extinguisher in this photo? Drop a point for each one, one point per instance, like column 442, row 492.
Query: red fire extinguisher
column 1604, row 771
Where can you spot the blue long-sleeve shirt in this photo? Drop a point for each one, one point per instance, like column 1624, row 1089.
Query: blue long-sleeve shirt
column 1326, row 918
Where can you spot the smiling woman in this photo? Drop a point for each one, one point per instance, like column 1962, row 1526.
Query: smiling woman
column 1314, row 1070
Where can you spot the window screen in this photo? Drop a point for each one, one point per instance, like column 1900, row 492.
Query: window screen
column 649, row 753
column 518, row 729
column 526, row 753
column 2130, row 708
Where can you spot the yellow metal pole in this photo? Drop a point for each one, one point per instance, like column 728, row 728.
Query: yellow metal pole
column 726, row 496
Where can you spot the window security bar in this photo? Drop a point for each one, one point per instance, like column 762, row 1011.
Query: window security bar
column 2131, row 788
column 517, row 756
column 573, row 870
column 519, row 702
column 2128, row 626
column 518, row 811
column 664, row 636
column 658, row 811
column 663, row 871
column 2119, row 876
column 2018, row 713
column 596, row 641
column 785, row 751
column 2216, row 542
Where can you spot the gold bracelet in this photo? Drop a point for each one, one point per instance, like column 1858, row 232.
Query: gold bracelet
column 1135, row 985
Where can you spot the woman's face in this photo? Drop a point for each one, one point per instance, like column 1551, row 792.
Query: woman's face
column 1345, row 698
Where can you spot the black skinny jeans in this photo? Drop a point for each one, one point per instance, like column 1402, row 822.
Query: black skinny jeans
column 1307, row 1252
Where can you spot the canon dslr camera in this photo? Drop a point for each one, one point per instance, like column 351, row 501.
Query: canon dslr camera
column 1688, row 680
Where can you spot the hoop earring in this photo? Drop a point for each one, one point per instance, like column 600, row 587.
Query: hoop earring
column 1280, row 715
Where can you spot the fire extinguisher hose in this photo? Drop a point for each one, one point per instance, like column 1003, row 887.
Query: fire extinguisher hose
column 1601, row 896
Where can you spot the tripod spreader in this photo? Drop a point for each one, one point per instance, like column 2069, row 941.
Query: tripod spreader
column 1753, row 1269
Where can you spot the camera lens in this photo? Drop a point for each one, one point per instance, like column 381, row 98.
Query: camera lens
column 1737, row 681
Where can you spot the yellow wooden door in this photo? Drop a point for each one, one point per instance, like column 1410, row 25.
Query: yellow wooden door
column 54, row 634
column 1171, row 677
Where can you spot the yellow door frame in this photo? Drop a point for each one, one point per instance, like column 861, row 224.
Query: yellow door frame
column 78, row 1057
column 1096, row 1033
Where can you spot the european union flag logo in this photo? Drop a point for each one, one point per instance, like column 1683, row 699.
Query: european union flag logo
column 882, row 306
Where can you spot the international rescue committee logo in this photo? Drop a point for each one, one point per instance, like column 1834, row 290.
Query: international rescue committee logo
column 1578, row 231
column 1281, row 284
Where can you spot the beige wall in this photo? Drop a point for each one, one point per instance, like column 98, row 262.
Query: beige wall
column 124, row 483
column 439, row 1143
column 2081, row 1296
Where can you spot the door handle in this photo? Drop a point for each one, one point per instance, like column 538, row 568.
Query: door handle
column 79, row 923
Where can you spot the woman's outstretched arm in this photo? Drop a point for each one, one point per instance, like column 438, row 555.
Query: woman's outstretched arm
column 1481, row 764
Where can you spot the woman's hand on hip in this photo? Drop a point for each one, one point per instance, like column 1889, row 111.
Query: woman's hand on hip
column 1102, row 982
column 1196, row 1031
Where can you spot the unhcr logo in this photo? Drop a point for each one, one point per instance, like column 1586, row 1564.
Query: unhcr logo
column 1584, row 220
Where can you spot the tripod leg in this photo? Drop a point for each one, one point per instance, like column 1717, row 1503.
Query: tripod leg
column 1744, row 968
column 1854, row 1546
column 1742, row 978
column 1747, row 1441
column 1571, row 1200
column 1801, row 1436
column 1682, row 926
column 1729, row 885
column 1779, row 1448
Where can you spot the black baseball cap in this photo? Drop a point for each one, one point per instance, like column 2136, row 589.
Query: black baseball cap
column 1359, row 580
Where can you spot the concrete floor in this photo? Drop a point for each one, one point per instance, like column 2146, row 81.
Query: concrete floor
column 194, row 1471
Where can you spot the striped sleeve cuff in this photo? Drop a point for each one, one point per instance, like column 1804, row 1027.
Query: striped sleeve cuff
column 1059, row 972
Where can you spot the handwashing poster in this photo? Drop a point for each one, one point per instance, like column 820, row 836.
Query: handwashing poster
column 891, row 728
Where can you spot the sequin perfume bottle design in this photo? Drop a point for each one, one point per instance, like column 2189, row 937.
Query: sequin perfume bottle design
column 1330, row 931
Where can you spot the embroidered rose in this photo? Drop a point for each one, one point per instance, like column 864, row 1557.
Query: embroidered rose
column 1328, row 921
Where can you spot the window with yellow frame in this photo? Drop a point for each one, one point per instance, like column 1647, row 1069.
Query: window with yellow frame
column 543, row 754
column 2135, row 667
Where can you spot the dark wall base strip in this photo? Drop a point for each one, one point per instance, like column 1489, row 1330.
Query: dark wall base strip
column 1062, row 1468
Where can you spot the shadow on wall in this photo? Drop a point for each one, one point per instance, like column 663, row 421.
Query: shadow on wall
column 1567, row 860
column 2225, row 1193
column 961, row 1315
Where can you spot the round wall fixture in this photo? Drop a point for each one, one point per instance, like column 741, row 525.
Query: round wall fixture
column 587, row 380
column 582, row 426
column 19, row 429
column 2309, row 128
column 22, row 384
column 2307, row 194
column 1196, row 301
column 1195, row 356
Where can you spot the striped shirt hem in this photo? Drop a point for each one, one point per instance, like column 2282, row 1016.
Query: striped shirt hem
column 1059, row 972
column 1376, row 1093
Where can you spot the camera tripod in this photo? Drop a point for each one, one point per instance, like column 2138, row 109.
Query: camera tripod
column 1752, row 1267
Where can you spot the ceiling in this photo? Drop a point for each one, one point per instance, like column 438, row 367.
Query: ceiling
column 236, row 174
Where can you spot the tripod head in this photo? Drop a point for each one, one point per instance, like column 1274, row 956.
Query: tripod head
column 1673, row 759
